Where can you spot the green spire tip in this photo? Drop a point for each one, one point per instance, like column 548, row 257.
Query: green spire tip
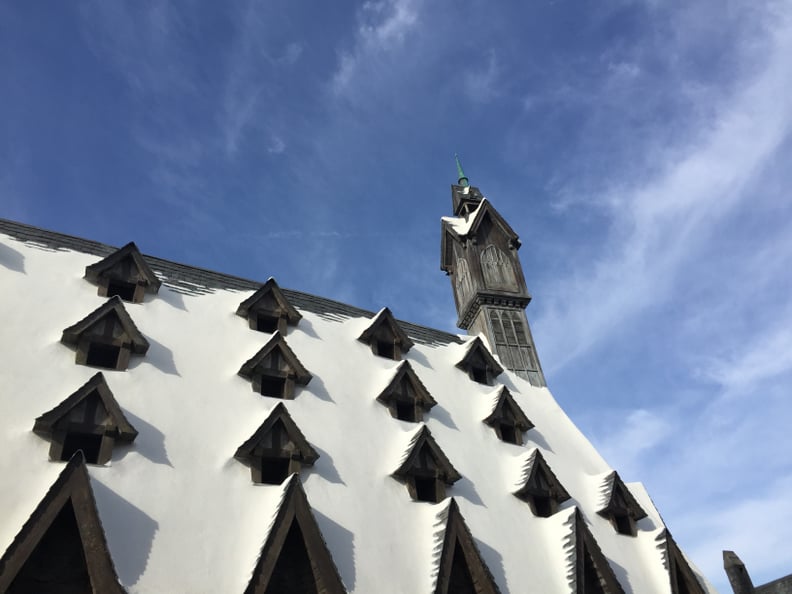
column 463, row 180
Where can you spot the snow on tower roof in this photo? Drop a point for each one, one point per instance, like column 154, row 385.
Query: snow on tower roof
column 180, row 514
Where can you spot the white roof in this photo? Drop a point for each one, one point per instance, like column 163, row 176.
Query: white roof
column 181, row 514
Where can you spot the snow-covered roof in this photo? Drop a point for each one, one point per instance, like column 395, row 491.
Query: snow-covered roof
column 180, row 514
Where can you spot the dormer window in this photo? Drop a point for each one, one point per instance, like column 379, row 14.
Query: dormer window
column 592, row 574
column 385, row 348
column 106, row 337
column 268, row 310
column 479, row 363
column 89, row 420
column 507, row 418
column 620, row 507
column 540, row 488
column 275, row 370
column 385, row 337
column 267, row 322
column 425, row 469
column 405, row 396
column 125, row 274
column 277, row 449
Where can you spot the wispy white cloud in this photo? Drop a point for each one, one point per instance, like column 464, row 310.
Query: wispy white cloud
column 383, row 27
column 660, row 222
column 482, row 84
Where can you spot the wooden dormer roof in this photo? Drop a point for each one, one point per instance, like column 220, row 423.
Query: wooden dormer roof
column 257, row 363
column 304, row 451
column 106, row 266
column 120, row 427
column 478, row 354
column 269, row 297
column 504, row 403
column 385, row 318
column 423, row 443
column 112, row 307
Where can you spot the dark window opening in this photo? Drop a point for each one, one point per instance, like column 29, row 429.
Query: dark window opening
column 102, row 355
column 124, row 290
column 509, row 434
column 426, row 489
column 292, row 571
column 386, row 348
column 624, row 524
column 591, row 579
column 273, row 386
column 57, row 564
column 460, row 581
column 543, row 506
column 274, row 470
column 405, row 411
column 89, row 443
column 266, row 323
column 479, row 374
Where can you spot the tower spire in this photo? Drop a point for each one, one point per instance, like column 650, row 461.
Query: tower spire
column 463, row 180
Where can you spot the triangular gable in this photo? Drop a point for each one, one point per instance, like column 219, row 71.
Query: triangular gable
column 118, row 425
column 589, row 570
column 682, row 578
column 405, row 388
column 458, row 233
column 506, row 409
column 295, row 557
column 128, row 266
column 269, row 301
column 113, row 307
column 478, row 356
column 423, row 446
column 619, row 505
column 276, row 346
column 487, row 210
column 277, row 439
column 385, row 328
column 538, row 480
column 461, row 569
column 62, row 544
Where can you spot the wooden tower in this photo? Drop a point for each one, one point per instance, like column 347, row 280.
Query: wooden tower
column 479, row 253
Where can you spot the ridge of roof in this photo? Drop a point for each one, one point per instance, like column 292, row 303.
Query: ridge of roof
column 195, row 280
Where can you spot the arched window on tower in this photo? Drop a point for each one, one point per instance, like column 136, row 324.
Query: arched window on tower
column 497, row 269
column 464, row 284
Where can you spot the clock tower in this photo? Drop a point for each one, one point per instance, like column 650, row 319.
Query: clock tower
column 479, row 254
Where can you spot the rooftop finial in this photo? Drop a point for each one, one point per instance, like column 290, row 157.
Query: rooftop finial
column 463, row 180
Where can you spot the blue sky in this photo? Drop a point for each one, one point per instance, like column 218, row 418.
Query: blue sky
column 640, row 149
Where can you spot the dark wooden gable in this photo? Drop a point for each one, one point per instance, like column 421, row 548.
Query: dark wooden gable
column 592, row 574
column 683, row 579
column 507, row 418
column 462, row 570
column 541, row 488
column 485, row 216
column 295, row 557
column 124, row 273
column 465, row 199
column 426, row 469
column 385, row 337
column 89, row 420
column 277, row 448
column 405, row 395
column 61, row 547
column 275, row 369
column 106, row 337
column 620, row 507
column 479, row 363
column 268, row 310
